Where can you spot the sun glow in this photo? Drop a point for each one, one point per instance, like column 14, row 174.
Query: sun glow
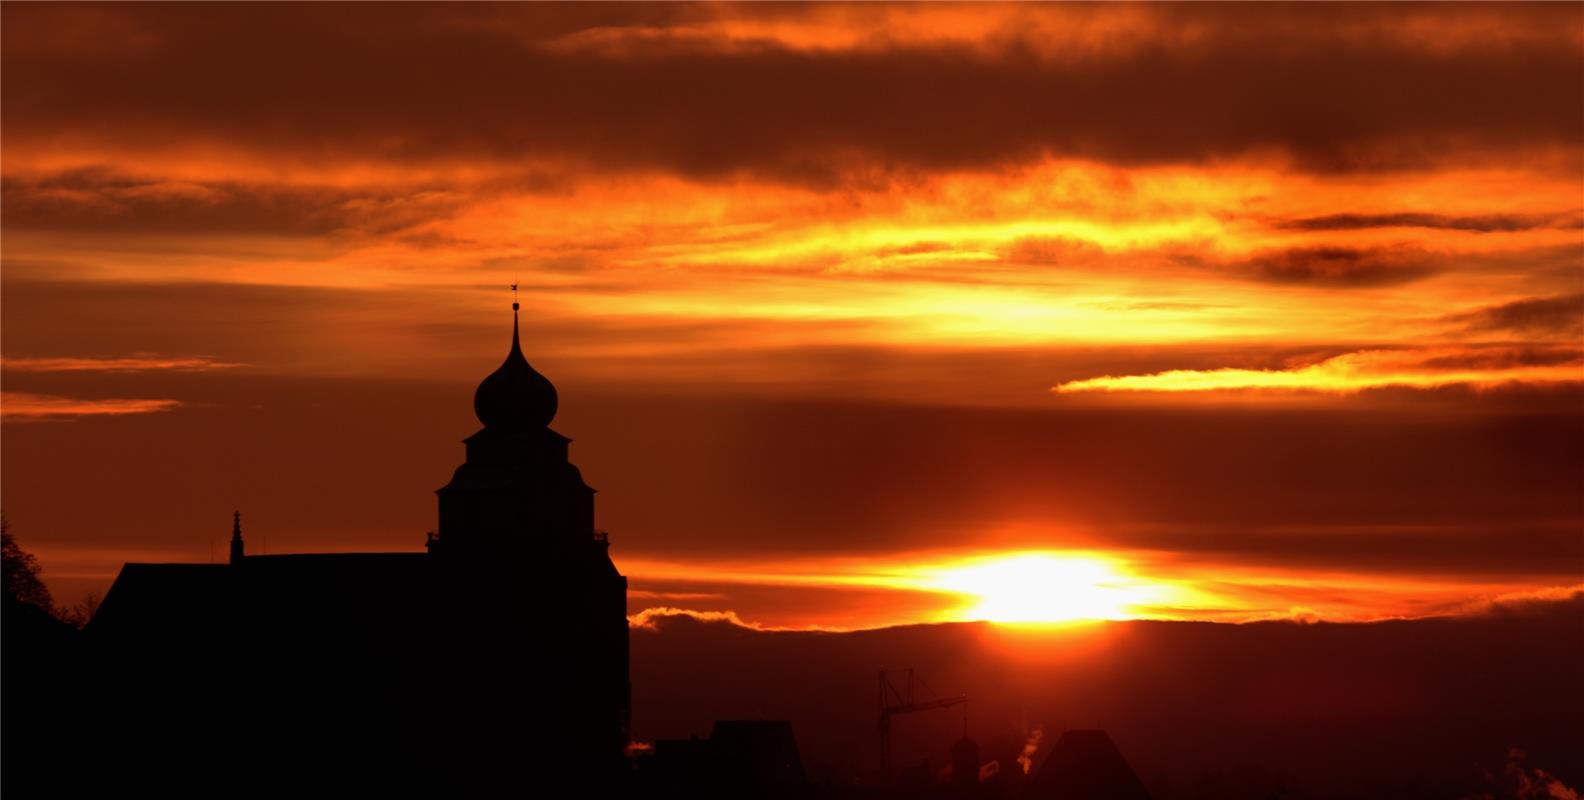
column 1046, row 588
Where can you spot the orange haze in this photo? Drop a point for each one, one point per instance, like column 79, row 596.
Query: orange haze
column 862, row 314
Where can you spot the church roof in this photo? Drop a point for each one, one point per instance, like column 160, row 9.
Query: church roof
column 307, row 590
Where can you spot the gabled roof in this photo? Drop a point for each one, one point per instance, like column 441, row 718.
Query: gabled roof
column 1085, row 765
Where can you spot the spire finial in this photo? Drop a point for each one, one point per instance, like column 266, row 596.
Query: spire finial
column 516, row 345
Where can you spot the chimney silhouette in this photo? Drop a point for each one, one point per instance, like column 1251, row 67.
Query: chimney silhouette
column 236, row 537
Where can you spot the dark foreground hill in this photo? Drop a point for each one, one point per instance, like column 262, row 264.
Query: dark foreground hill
column 1446, row 708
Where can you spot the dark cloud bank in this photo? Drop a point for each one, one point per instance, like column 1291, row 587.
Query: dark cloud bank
column 1562, row 315
column 100, row 201
column 1485, row 223
column 421, row 83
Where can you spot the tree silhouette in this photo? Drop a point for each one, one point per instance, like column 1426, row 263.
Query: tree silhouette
column 79, row 615
column 20, row 570
column 43, row 678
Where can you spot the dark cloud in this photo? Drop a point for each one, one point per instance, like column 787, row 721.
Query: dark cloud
column 1562, row 315
column 1055, row 251
column 1488, row 223
column 1536, row 603
column 794, row 606
column 1322, row 266
column 1339, row 266
column 104, row 201
column 915, row 248
column 1444, row 549
column 1502, row 357
column 469, row 83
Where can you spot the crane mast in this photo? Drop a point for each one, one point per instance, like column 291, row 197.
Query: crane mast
column 894, row 701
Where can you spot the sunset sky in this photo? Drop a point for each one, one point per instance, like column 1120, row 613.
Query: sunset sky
column 860, row 315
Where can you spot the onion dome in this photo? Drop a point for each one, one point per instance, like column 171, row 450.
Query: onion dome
column 516, row 396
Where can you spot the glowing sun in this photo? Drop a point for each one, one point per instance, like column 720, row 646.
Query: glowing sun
column 1043, row 587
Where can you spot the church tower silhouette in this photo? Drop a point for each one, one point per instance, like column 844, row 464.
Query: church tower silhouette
column 539, row 610
column 494, row 664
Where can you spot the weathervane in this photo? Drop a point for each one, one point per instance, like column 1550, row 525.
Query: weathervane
column 514, row 297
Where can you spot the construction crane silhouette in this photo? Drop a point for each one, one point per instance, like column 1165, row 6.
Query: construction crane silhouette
column 894, row 701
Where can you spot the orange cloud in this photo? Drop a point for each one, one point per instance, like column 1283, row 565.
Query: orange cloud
column 28, row 406
column 136, row 363
column 1353, row 372
column 650, row 617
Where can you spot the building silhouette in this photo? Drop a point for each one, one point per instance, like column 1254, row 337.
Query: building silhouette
column 495, row 660
column 1084, row 765
column 965, row 766
column 741, row 760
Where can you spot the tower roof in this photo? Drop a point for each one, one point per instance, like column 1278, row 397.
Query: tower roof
column 515, row 396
